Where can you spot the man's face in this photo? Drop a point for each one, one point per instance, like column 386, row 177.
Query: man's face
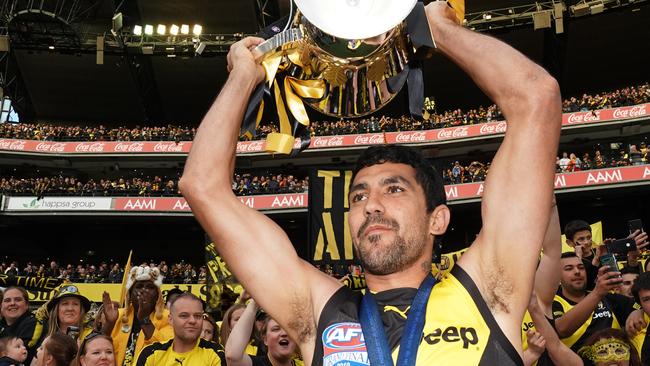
column 625, row 288
column 186, row 317
column 574, row 276
column 644, row 298
column 581, row 239
column 146, row 291
column 13, row 305
column 388, row 219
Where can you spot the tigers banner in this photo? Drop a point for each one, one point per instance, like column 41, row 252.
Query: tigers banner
column 35, row 284
column 220, row 279
column 330, row 241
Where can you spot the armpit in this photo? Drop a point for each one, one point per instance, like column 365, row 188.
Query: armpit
column 301, row 322
column 498, row 289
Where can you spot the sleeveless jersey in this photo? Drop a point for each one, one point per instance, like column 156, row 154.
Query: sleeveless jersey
column 459, row 327
column 611, row 312
column 205, row 353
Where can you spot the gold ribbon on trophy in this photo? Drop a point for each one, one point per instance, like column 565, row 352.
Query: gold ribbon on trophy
column 343, row 58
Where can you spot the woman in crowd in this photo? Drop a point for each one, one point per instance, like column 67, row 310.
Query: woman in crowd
column 56, row 350
column 281, row 350
column 209, row 330
column 67, row 313
column 16, row 320
column 96, row 350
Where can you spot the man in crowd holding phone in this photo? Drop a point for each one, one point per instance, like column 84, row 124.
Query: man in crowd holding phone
column 579, row 313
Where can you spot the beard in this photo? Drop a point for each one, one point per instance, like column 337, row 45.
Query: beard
column 392, row 257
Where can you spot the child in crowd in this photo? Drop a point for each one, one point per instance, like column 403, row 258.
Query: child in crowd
column 12, row 351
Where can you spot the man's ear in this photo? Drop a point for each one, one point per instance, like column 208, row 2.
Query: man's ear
column 570, row 243
column 439, row 220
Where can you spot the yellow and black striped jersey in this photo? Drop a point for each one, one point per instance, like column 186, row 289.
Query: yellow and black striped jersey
column 162, row 354
column 459, row 328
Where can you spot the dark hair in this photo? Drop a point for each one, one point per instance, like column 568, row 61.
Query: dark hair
column 641, row 283
column 572, row 228
column 20, row 289
column 425, row 174
column 215, row 328
column 185, row 295
column 629, row 270
column 62, row 348
column 568, row 255
column 171, row 294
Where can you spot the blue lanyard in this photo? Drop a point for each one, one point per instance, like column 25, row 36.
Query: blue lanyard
column 379, row 352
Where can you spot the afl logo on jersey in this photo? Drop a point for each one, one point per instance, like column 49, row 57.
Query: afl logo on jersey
column 344, row 344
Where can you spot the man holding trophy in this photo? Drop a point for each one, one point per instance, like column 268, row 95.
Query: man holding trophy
column 397, row 208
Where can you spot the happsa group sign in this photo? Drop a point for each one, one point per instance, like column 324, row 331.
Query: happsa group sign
column 58, row 204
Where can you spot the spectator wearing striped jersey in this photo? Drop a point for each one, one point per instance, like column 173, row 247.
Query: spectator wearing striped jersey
column 578, row 313
column 187, row 348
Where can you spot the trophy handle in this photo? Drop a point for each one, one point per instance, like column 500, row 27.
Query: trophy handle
column 278, row 41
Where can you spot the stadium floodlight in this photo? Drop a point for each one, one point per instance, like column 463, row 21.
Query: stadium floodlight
column 185, row 29
column 487, row 16
column 148, row 29
column 173, row 30
column 137, row 30
column 161, row 29
column 197, row 30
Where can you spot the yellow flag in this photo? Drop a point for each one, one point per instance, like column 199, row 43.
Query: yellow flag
column 127, row 269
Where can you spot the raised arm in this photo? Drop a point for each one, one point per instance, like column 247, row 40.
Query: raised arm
column 560, row 354
column 549, row 270
column 518, row 190
column 258, row 252
column 239, row 337
column 568, row 323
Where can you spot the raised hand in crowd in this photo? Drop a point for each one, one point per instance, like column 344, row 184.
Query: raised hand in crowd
column 110, row 311
column 536, row 346
column 559, row 353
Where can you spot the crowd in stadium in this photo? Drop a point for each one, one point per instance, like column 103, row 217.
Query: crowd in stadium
column 243, row 184
column 103, row 272
column 26, row 331
column 476, row 171
column 49, row 132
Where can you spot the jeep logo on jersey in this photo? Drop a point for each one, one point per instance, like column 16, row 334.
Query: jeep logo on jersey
column 343, row 344
column 453, row 334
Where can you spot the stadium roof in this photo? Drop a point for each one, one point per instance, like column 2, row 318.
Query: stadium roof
column 595, row 52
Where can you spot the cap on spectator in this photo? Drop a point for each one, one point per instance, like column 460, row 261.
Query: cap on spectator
column 68, row 291
column 144, row 273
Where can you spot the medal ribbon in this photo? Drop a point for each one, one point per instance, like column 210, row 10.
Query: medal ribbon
column 379, row 352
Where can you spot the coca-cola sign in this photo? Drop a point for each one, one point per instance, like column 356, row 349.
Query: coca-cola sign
column 410, row 137
column 327, row 141
column 493, row 128
column 129, row 147
column 250, row 146
column 375, row 138
column 453, row 133
column 90, row 147
column 55, row 147
column 630, row 112
column 16, row 145
column 168, row 147
column 583, row 117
